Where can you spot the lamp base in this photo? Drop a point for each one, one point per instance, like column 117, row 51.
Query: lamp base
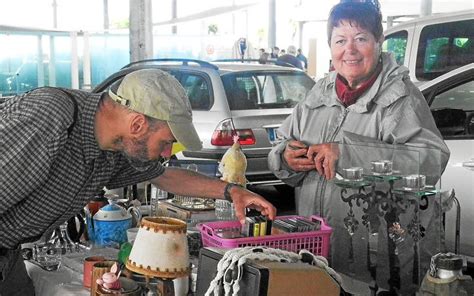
column 161, row 286
column 165, row 287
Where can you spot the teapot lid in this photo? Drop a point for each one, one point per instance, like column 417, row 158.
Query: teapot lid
column 112, row 212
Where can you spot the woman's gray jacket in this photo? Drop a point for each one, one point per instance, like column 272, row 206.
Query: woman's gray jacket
column 391, row 120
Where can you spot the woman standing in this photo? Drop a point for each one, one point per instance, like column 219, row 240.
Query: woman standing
column 367, row 99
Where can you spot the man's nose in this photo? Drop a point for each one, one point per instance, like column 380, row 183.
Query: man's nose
column 166, row 153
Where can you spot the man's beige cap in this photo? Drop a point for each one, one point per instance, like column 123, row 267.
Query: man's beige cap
column 157, row 94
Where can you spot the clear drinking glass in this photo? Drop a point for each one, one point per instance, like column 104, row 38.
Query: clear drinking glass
column 61, row 240
column 224, row 210
column 48, row 256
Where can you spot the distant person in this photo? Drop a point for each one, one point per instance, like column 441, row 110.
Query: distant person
column 300, row 56
column 289, row 59
column 282, row 52
column 243, row 50
column 263, row 58
column 275, row 52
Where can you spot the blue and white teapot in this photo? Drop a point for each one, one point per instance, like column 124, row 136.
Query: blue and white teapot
column 111, row 222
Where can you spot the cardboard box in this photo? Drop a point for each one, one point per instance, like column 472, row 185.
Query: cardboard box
column 266, row 278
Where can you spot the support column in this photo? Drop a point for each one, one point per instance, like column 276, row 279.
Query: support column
column 55, row 14
column 174, row 15
column 52, row 55
column 106, row 14
column 52, row 62
column 39, row 65
column 389, row 22
column 233, row 19
column 141, row 30
column 300, row 34
column 246, row 23
column 313, row 57
column 74, row 61
column 426, row 7
column 86, row 63
column 271, row 23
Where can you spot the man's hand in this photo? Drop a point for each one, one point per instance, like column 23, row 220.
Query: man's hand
column 296, row 157
column 325, row 157
column 189, row 183
column 243, row 198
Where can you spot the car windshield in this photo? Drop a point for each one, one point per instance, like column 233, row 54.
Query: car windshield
column 444, row 47
column 265, row 90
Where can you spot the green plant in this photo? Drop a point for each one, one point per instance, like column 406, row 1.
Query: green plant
column 212, row 28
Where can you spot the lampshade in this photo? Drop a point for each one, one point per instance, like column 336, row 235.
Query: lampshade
column 160, row 248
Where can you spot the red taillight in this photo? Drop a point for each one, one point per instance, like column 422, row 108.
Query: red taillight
column 225, row 131
column 246, row 137
column 222, row 138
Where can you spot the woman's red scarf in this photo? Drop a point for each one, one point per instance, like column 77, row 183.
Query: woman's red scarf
column 349, row 96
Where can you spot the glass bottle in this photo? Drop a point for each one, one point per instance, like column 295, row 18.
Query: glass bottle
column 156, row 195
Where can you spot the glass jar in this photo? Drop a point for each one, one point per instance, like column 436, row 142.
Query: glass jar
column 156, row 196
column 224, row 210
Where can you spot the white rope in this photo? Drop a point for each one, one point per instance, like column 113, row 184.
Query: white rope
column 230, row 274
column 221, row 268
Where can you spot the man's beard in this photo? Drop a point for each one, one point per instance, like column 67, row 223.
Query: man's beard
column 135, row 151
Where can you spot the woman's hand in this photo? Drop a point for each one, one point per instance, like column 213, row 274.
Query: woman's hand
column 325, row 157
column 243, row 198
column 296, row 157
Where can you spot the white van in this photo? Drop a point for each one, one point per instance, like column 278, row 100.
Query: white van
column 432, row 46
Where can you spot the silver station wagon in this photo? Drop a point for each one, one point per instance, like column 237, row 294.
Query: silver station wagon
column 233, row 98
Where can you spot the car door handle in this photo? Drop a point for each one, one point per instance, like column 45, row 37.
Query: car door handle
column 468, row 164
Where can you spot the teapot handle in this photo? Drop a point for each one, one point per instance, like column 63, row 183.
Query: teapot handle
column 136, row 213
column 74, row 233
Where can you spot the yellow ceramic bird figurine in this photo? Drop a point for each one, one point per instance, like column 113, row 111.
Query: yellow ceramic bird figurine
column 233, row 164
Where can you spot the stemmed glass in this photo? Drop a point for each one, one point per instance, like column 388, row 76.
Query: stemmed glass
column 61, row 240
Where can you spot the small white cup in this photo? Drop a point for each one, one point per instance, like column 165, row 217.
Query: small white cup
column 181, row 286
column 132, row 234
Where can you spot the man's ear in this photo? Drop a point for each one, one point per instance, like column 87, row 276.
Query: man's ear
column 138, row 124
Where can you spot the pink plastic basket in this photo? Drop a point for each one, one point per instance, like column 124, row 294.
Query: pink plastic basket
column 317, row 242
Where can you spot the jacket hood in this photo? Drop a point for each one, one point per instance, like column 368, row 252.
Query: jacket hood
column 392, row 77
